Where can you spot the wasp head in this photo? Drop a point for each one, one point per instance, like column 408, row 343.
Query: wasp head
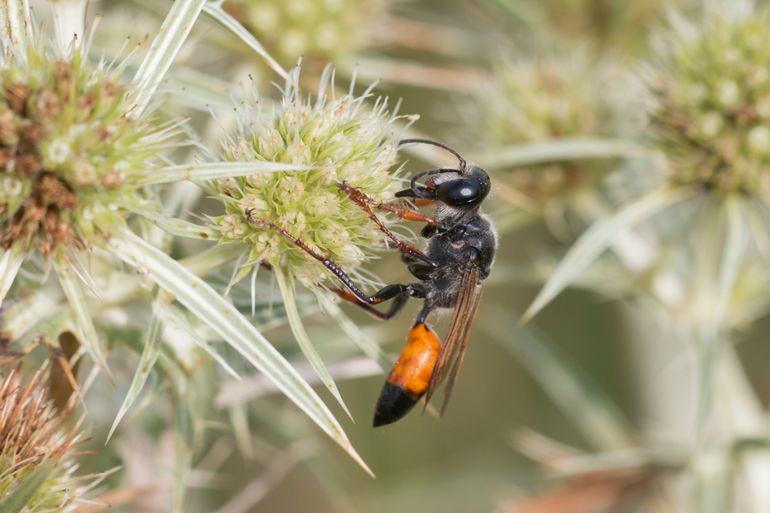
column 466, row 190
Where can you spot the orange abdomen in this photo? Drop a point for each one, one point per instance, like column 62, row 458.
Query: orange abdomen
column 414, row 367
column 410, row 377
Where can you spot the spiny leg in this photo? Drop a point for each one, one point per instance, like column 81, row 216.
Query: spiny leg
column 360, row 198
column 328, row 263
column 398, row 293
column 366, row 203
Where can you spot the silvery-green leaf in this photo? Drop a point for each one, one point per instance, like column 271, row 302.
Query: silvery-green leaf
column 18, row 499
column 217, row 13
column 178, row 227
column 234, row 392
column 713, row 475
column 198, row 297
column 596, row 239
column 150, row 353
column 240, row 422
column 286, row 286
column 10, row 262
column 558, row 150
column 212, row 258
column 364, row 342
column 733, row 254
column 163, row 50
column 84, row 324
column 177, row 326
column 216, row 170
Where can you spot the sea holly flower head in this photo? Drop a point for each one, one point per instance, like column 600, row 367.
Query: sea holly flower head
column 552, row 96
column 35, row 447
column 711, row 109
column 71, row 156
column 340, row 140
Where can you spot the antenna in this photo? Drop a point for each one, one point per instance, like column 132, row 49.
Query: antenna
column 434, row 143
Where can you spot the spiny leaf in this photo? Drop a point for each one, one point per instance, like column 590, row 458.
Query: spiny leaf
column 164, row 49
column 83, row 322
column 173, row 319
column 596, row 239
column 234, row 328
column 150, row 353
column 713, row 474
column 734, row 251
column 178, row 227
column 286, row 285
column 558, row 150
column 216, row 170
column 216, row 12
column 364, row 342
column 17, row 500
column 10, row 262
column 212, row 258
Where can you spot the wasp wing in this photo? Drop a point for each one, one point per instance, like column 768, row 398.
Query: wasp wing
column 453, row 350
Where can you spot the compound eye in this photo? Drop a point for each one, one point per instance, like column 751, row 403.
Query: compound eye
column 457, row 193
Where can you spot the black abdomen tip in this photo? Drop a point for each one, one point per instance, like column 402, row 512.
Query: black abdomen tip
column 394, row 402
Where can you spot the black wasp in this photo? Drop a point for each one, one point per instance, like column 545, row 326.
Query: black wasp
column 458, row 257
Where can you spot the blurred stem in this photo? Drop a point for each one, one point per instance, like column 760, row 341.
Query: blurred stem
column 738, row 407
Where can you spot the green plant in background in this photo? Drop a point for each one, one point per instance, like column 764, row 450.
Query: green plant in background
column 706, row 241
column 550, row 100
column 159, row 232
column 327, row 29
column 711, row 110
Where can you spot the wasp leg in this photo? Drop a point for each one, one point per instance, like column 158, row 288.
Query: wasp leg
column 335, row 269
column 366, row 202
column 398, row 293
column 388, row 292
column 360, row 198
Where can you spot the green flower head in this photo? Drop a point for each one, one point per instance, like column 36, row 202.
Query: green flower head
column 537, row 99
column 343, row 140
column 711, row 110
column 330, row 29
column 70, row 153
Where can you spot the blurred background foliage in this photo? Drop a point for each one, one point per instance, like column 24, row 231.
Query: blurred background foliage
column 602, row 403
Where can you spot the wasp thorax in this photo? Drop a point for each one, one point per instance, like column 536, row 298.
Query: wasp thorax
column 711, row 113
column 343, row 140
column 67, row 149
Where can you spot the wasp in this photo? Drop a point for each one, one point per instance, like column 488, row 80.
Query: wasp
column 460, row 250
